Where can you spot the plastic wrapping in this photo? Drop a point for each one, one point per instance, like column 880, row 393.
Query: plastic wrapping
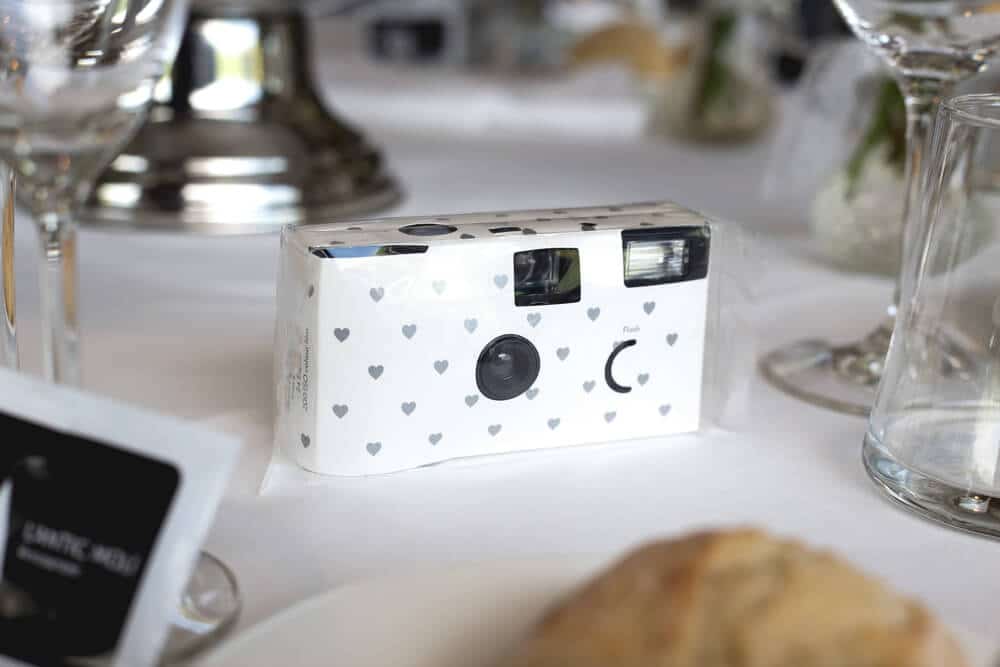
column 413, row 341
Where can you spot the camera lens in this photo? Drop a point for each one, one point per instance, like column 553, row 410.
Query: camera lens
column 507, row 367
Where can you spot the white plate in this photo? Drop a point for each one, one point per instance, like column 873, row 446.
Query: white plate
column 468, row 616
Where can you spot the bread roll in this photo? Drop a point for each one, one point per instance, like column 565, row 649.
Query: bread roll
column 736, row 599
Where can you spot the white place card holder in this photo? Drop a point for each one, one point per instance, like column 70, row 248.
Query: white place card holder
column 103, row 510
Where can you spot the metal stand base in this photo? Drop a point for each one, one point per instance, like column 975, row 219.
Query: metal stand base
column 238, row 141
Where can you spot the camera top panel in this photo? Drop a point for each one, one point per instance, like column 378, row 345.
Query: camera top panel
column 356, row 238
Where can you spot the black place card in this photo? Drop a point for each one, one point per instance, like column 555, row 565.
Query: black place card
column 103, row 508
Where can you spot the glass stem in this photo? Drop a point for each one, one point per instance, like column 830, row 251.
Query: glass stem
column 58, row 278
column 922, row 97
column 8, row 329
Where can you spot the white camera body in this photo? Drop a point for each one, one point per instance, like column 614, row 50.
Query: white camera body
column 406, row 342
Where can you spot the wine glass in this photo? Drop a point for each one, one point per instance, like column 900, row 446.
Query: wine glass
column 76, row 78
column 929, row 46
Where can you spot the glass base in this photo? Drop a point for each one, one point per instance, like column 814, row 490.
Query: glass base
column 952, row 506
column 207, row 611
column 842, row 379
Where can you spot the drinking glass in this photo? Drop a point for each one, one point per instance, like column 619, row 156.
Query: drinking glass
column 76, row 78
column 933, row 440
column 929, row 45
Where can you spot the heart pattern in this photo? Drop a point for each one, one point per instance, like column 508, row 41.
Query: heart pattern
column 527, row 231
column 466, row 236
column 441, row 366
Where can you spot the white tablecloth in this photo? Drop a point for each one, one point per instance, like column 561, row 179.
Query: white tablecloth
column 184, row 325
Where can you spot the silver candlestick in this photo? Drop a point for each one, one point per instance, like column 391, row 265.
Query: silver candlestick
column 239, row 140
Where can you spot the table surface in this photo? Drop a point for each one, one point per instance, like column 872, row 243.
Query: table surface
column 184, row 325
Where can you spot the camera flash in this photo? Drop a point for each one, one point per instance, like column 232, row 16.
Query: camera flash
column 656, row 261
column 665, row 255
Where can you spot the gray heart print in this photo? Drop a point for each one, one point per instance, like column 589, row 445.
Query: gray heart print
column 305, row 440
column 471, row 324
column 643, row 378
column 500, row 281
column 408, row 408
column 409, row 330
column 342, row 334
column 439, row 286
column 593, row 314
column 375, row 371
column 610, row 416
column 534, row 319
column 311, row 291
column 671, row 339
column 554, row 424
column 531, row 393
column 665, row 410
column 376, row 293
column 562, row 353
column 466, row 236
column 495, row 429
column 471, row 400
column 340, row 411
column 588, row 386
column 441, row 366
column 434, row 438
column 649, row 306
column 374, row 448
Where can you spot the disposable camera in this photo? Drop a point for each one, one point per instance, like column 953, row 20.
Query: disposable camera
column 406, row 342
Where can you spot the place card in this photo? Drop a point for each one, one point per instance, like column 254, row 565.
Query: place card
column 103, row 509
